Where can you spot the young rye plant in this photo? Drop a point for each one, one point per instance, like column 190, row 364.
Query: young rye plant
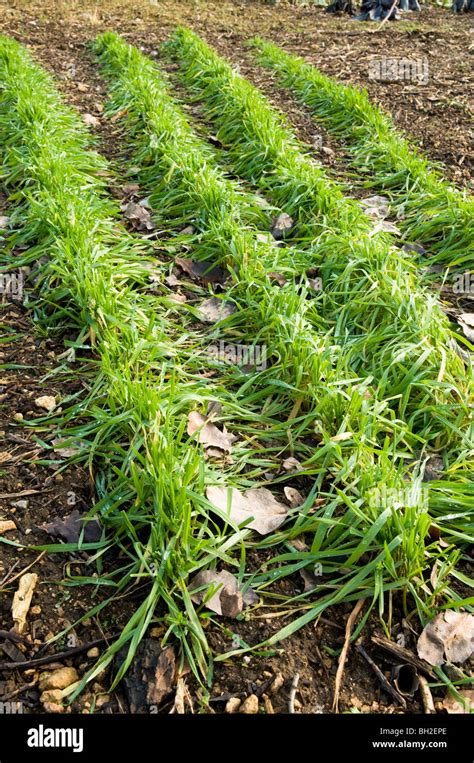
column 431, row 211
column 371, row 290
column 152, row 480
column 148, row 377
column 176, row 164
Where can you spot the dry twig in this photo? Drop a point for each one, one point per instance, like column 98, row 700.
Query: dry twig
column 294, row 687
column 342, row 657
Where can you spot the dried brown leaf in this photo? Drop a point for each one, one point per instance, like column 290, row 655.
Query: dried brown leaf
column 227, row 599
column 258, row 504
column 203, row 271
column 293, row 497
column 449, row 637
column 466, row 321
column 209, row 434
column 138, row 216
column 70, row 527
column 214, row 310
column 452, row 705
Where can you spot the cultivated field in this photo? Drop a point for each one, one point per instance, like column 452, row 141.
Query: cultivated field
column 236, row 359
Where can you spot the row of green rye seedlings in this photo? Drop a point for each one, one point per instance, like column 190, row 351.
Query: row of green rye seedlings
column 362, row 382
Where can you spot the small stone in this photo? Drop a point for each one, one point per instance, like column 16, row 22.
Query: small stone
column 277, row 683
column 58, row 679
column 102, row 700
column 7, row 526
column 90, row 120
column 52, row 695
column 250, row 705
column 21, row 504
column 46, row 402
column 36, row 610
column 233, row 705
column 268, row 705
column 54, row 707
column 52, row 701
column 17, row 417
column 93, row 652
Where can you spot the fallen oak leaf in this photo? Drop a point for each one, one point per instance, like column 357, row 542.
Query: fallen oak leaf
column 214, row 310
column 226, row 458
column 171, row 280
column 453, row 705
column 129, row 189
column 204, row 271
column 70, row 527
column 208, row 433
column 66, row 452
column 449, row 637
column 151, row 676
column 165, row 676
column 385, row 226
column 279, row 278
column 180, row 298
column 292, row 465
column 258, row 504
column 138, row 215
column 466, row 321
column 227, row 600
column 293, row 497
column 376, row 206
